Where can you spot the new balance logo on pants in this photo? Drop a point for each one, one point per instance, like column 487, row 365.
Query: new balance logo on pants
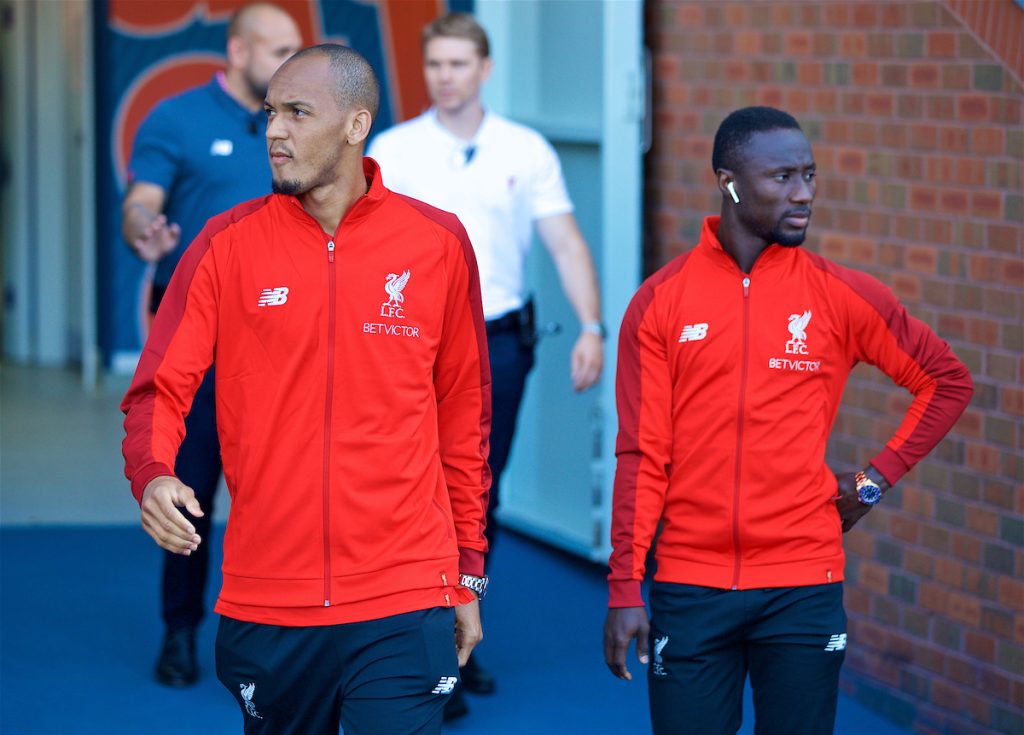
column 837, row 642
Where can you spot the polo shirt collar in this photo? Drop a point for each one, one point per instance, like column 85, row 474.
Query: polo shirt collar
column 219, row 90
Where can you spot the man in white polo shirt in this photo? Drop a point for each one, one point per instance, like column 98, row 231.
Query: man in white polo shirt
column 501, row 179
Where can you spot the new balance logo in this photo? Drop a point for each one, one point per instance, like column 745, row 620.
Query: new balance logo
column 836, row 642
column 446, row 685
column 274, row 296
column 693, row 332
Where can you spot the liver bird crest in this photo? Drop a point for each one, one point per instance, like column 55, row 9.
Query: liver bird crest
column 395, row 284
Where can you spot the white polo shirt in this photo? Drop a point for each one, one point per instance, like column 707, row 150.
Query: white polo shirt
column 512, row 177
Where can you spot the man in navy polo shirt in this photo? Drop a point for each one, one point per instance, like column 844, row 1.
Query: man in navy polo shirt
column 196, row 155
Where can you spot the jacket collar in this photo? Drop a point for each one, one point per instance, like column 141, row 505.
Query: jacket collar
column 363, row 207
column 709, row 243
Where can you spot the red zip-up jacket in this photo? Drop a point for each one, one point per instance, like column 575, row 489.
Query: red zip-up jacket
column 728, row 385
column 353, row 404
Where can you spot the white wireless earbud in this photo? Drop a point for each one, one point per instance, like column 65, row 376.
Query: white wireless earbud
column 731, row 186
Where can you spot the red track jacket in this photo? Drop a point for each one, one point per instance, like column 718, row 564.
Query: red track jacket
column 727, row 388
column 353, row 404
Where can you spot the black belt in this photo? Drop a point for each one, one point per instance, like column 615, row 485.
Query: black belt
column 508, row 323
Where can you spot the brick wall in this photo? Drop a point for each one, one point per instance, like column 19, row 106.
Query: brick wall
column 914, row 111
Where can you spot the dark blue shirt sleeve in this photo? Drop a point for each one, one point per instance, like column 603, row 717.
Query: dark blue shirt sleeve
column 157, row 153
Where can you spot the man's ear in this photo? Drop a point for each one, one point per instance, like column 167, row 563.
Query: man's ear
column 723, row 177
column 238, row 52
column 488, row 66
column 359, row 123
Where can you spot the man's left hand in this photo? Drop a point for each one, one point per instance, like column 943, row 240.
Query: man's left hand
column 587, row 361
column 850, row 508
column 468, row 631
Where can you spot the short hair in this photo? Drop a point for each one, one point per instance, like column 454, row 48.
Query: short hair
column 740, row 126
column 356, row 82
column 241, row 19
column 457, row 25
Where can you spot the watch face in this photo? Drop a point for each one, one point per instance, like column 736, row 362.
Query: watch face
column 869, row 493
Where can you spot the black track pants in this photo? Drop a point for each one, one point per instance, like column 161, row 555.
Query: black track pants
column 705, row 641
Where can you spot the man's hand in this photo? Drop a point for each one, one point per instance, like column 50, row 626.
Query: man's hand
column 622, row 625
column 156, row 239
column 587, row 361
column 142, row 225
column 850, row 508
column 467, row 630
column 161, row 518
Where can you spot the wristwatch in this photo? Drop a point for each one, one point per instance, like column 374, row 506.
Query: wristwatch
column 477, row 584
column 594, row 328
column 869, row 492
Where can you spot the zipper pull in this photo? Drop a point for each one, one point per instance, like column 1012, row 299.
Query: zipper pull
column 330, row 251
column 746, row 286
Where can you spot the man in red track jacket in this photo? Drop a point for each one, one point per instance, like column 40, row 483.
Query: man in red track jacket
column 732, row 363
column 353, row 398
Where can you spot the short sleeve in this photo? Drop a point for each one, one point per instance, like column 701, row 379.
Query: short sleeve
column 156, row 153
column 548, row 195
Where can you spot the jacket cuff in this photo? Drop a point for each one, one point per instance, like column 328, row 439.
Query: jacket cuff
column 624, row 593
column 145, row 475
column 471, row 562
column 890, row 465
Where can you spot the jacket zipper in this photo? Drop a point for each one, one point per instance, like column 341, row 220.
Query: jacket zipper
column 327, row 422
column 744, row 356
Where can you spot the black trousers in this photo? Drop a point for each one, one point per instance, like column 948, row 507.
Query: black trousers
column 704, row 642
column 199, row 466
column 390, row 676
column 511, row 359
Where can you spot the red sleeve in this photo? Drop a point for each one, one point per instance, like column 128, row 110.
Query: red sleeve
column 883, row 334
column 462, row 383
column 643, row 391
column 176, row 355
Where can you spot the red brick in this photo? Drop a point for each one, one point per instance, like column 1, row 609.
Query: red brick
column 1012, row 400
column 970, row 172
column 907, row 288
column 865, row 73
column 973, row 107
column 880, row 104
column 874, row 577
column 987, row 204
column 851, row 162
column 980, row 646
column 946, row 695
column 853, row 45
column 954, row 201
column 893, row 135
column 923, row 135
column 940, row 169
column 798, row 43
column 864, row 15
column 1011, row 593
column 925, row 75
column 981, row 520
column 988, row 141
column 810, row 72
column 966, row 547
column 953, row 139
column 983, row 458
column 941, row 44
column 924, row 198
column 690, row 15
column 915, row 562
column 965, row 609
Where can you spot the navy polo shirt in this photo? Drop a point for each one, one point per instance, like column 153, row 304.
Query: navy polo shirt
column 208, row 153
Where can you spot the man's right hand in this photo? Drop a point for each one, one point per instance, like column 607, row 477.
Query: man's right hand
column 161, row 518
column 622, row 625
column 157, row 239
